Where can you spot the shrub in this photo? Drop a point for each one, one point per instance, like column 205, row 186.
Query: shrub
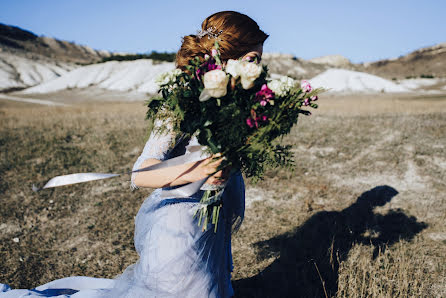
column 164, row 56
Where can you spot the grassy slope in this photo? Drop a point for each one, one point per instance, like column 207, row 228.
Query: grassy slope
column 305, row 234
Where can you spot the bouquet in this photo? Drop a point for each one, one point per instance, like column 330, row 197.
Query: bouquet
column 233, row 109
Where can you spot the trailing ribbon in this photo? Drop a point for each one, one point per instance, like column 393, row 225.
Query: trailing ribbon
column 197, row 154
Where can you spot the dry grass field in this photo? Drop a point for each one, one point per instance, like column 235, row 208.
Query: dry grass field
column 362, row 215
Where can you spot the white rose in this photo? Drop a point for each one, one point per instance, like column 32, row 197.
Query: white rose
column 215, row 84
column 276, row 87
column 168, row 77
column 161, row 79
column 249, row 72
column 233, row 68
column 176, row 72
column 288, row 83
column 282, row 86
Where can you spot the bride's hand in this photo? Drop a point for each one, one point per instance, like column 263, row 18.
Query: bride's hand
column 220, row 177
column 209, row 166
column 182, row 174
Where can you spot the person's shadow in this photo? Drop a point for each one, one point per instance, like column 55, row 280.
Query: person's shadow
column 309, row 256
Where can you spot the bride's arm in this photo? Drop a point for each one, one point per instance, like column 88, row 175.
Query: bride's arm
column 177, row 175
column 154, row 152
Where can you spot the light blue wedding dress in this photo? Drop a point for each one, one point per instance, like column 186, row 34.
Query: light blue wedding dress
column 176, row 258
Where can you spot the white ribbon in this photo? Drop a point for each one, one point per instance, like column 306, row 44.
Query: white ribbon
column 77, row 178
column 197, row 154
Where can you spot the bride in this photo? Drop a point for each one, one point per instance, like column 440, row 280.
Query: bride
column 176, row 257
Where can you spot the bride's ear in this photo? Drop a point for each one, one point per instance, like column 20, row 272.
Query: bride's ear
column 252, row 57
column 255, row 54
column 248, row 57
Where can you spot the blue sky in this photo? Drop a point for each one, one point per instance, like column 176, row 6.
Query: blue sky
column 360, row 30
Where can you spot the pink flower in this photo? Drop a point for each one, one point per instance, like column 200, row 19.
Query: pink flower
column 198, row 72
column 206, row 57
column 306, row 87
column 264, row 95
column 249, row 122
column 214, row 52
column 208, row 65
column 253, row 122
column 306, row 102
column 314, row 98
column 212, row 66
column 266, row 92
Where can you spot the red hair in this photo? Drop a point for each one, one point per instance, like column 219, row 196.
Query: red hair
column 239, row 35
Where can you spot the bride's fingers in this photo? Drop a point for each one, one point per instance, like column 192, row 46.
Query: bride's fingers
column 213, row 180
column 210, row 166
column 219, row 174
column 219, row 177
column 213, row 163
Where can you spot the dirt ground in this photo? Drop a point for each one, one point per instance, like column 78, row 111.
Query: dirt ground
column 362, row 215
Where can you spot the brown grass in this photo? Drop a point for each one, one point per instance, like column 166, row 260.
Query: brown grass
column 362, row 215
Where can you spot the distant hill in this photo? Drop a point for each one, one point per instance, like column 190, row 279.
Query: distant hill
column 425, row 62
column 333, row 60
column 18, row 41
column 126, row 76
column 297, row 68
column 291, row 66
column 50, row 65
column 337, row 80
column 18, row 71
column 27, row 59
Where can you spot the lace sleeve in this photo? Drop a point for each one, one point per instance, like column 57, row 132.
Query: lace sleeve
column 156, row 147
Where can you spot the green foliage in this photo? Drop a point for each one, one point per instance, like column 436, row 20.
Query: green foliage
column 423, row 76
column 221, row 124
column 237, row 125
column 159, row 56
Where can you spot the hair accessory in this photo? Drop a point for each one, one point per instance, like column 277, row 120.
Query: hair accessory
column 211, row 32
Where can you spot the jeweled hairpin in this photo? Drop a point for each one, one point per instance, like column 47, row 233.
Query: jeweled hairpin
column 210, row 32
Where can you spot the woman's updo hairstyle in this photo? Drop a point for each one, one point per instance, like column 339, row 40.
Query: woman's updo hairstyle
column 239, row 33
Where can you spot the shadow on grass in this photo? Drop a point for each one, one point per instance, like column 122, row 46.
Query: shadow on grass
column 309, row 256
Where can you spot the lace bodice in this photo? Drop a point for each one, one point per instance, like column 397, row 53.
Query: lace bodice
column 156, row 147
column 163, row 146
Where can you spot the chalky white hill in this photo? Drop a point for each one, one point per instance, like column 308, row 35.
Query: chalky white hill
column 138, row 75
column 348, row 81
column 21, row 72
